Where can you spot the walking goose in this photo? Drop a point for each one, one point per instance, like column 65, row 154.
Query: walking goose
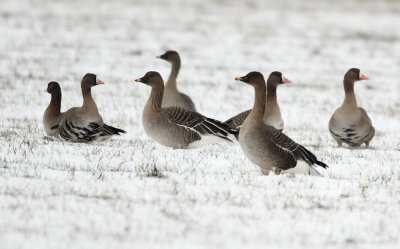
column 349, row 123
column 172, row 97
column 272, row 115
column 177, row 127
column 264, row 145
column 84, row 124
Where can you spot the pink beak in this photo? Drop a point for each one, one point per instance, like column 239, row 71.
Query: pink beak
column 45, row 90
column 99, row 82
column 286, row 80
column 363, row 77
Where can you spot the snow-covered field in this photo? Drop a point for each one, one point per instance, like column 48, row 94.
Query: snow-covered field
column 130, row 192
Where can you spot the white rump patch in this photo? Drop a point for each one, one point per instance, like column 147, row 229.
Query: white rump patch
column 206, row 140
column 304, row 169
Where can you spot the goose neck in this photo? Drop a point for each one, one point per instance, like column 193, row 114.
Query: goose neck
column 171, row 83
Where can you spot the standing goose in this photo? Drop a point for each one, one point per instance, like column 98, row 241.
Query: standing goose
column 172, row 97
column 264, row 145
column 84, row 124
column 349, row 123
column 177, row 127
column 272, row 115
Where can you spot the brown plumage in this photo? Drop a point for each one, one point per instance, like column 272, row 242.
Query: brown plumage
column 349, row 123
column 264, row 145
column 53, row 115
column 177, row 127
column 84, row 124
column 172, row 97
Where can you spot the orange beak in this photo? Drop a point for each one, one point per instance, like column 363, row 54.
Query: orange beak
column 242, row 78
column 139, row 80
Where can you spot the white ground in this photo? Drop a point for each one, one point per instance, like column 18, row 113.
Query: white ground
column 103, row 195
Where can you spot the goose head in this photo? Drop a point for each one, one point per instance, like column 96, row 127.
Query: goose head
column 53, row 88
column 151, row 78
column 170, row 56
column 252, row 78
column 354, row 74
column 276, row 78
column 91, row 80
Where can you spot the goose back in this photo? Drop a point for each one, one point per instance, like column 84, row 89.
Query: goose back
column 77, row 126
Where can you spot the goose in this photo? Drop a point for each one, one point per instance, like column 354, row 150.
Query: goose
column 272, row 115
column 172, row 97
column 177, row 127
column 266, row 146
column 350, row 124
column 84, row 124
column 53, row 115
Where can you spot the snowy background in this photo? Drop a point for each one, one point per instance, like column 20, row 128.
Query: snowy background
column 130, row 192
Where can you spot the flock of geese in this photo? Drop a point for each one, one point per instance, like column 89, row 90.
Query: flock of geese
column 170, row 118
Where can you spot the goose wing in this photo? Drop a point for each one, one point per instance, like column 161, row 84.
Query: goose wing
column 299, row 151
column 236, row 121
column 110, row 130
column 197, row 122
column 75, row 128
column 365, row 114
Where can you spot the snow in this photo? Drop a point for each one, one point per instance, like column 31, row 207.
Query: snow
column 129, row 192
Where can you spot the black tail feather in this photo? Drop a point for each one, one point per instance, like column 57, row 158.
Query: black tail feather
column 323, row 165
column 224, row 128
column 310, row 158
column 109, row 131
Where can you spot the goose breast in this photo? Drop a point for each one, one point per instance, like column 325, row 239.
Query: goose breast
column 353, row 129
column 260, row 149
